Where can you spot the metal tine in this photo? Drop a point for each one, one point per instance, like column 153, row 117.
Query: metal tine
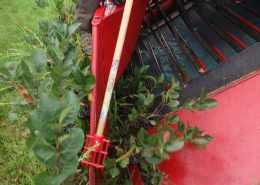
column 225, row 34
column 151, row 51
column 141, row 62
column 203, row 39
column 246, row 7
column 148, row 51
column 176, row 66
column 140, row 57
column 190, row 53
column 236, row 19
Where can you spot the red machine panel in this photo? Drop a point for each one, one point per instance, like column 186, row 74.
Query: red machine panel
column 233, row 157
column 104, row 41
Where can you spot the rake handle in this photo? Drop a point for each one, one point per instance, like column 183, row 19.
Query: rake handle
column 114, row 67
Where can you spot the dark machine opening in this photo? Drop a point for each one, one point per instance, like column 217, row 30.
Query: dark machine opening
column 204, row 44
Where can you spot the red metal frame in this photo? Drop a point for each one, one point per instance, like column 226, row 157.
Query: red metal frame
column 97, row 155
column 103, row 48
column 233, row 157
column 104, row 35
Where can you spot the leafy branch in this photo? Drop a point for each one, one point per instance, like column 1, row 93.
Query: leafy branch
column 53, row 80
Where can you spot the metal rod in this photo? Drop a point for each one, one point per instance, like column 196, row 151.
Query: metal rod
column 114, row 67
column 238, row 20
column 203, row 39
column 140, row 56
column 148, row 51
column 237, row 44
column 246, row 7
column 200, row 66
column 162, row 41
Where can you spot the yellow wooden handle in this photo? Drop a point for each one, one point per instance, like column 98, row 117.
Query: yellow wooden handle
column 114, row 67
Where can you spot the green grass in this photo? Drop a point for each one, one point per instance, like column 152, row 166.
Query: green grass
column 16, row 16
column 17, row 167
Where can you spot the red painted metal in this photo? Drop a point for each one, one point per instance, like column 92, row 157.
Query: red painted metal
column 97, row 155
column 248, row 23
column 201, row 63
column 135, row 175
column 103, row 48
column 219, row 53
column 240, row 42
column 233, row 157
column 105, row 29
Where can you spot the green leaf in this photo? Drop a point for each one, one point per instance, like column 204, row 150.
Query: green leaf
column 12, row 116
column 46, row 154
column 26, row 78
column 160, row 79
column 203, row 94
column 153, row 160
column 90, row 82
column 171, row 120
column 73, row 28
column 4, row 72
column 188, row 105
column 26, row 69
column 38, row 60
column 49, row 102
column 195, row 131
column 207, row 104
column 175, row 84
column 60, row 29
column 68, row 168
column 56, row 54
column 143, row 137
column 71, row 101
column 188, row 134
column 70, row 56
column 72, row 144
column 175, row 145
column 44, row 178
column 144, row 69
column 153, row 122
column 202, row 140
column 109, row 163
column 79, row 77
column 114, row 172
column 64, row 114
column 44, row 85
column 165, row 155
column 173, row 104
column 39, row 121
column 123, row 164
column 173, row 95
column 9, row 70
column 42, row 3
column 181, row 126
column 127, row 182
column 133, row 115
column 144, row 165
column 44, row 25
column 149, row 99
column 147, row 152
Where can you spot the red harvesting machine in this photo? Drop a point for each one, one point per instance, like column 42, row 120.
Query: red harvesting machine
column 217, row 42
